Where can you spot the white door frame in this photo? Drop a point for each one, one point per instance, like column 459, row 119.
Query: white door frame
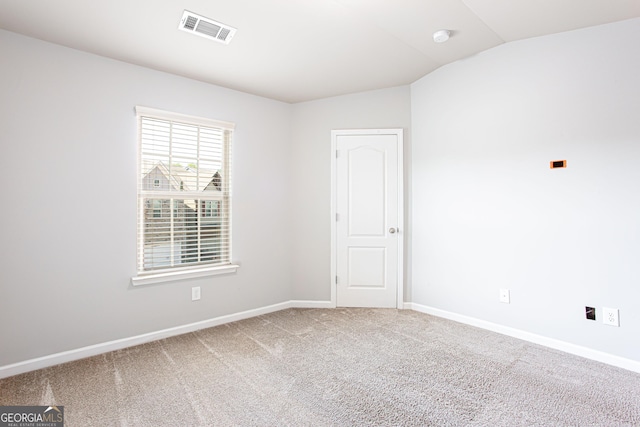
column 334, row 204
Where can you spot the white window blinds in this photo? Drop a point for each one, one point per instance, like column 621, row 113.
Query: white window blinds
column 184, row 191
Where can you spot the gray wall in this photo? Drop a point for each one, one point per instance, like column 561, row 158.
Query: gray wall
column 311, row 175
column 484, row 211
column 68, row 173
column 488, row 211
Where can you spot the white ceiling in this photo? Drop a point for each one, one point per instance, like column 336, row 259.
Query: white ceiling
column 300, row 50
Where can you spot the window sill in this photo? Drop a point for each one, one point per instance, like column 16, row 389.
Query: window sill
column 170, row 276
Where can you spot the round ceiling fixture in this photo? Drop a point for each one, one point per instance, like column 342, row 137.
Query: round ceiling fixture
column 441, row 36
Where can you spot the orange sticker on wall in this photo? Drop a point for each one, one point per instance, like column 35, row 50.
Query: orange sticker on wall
column 554, row 164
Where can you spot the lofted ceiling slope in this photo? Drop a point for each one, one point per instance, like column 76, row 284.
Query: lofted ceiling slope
column 301, row 50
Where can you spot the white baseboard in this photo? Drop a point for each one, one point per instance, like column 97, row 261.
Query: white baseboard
column 311, row 304
column 620, row 362
column 93, row 350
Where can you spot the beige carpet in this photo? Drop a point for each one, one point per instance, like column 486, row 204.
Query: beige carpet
column 343, row 367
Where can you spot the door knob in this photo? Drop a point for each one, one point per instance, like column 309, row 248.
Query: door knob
column 392, row 230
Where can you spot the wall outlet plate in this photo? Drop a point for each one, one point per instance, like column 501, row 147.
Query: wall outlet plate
column 505, row 296
column 195, row 293
column 610, row 316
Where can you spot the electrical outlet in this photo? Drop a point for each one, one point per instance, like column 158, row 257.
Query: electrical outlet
column 505, row 296
column 610, row 316
column 195, row 293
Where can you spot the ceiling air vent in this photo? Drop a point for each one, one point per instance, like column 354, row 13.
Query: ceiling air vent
column 205, row 27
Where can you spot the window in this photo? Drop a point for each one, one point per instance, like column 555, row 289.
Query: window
column 157, row 208
column 184, row 192
column 211, row 208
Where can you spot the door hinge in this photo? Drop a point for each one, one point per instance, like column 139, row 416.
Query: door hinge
column 336, row 280
column 336, row 154
column 336, row 216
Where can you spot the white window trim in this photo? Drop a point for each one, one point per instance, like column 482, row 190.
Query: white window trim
column 170, row 276
column 163, row 276
column 202, row 121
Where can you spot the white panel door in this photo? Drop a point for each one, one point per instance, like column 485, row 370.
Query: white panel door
column 368, row 184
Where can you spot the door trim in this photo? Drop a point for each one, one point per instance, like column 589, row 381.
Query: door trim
column 334, row 204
